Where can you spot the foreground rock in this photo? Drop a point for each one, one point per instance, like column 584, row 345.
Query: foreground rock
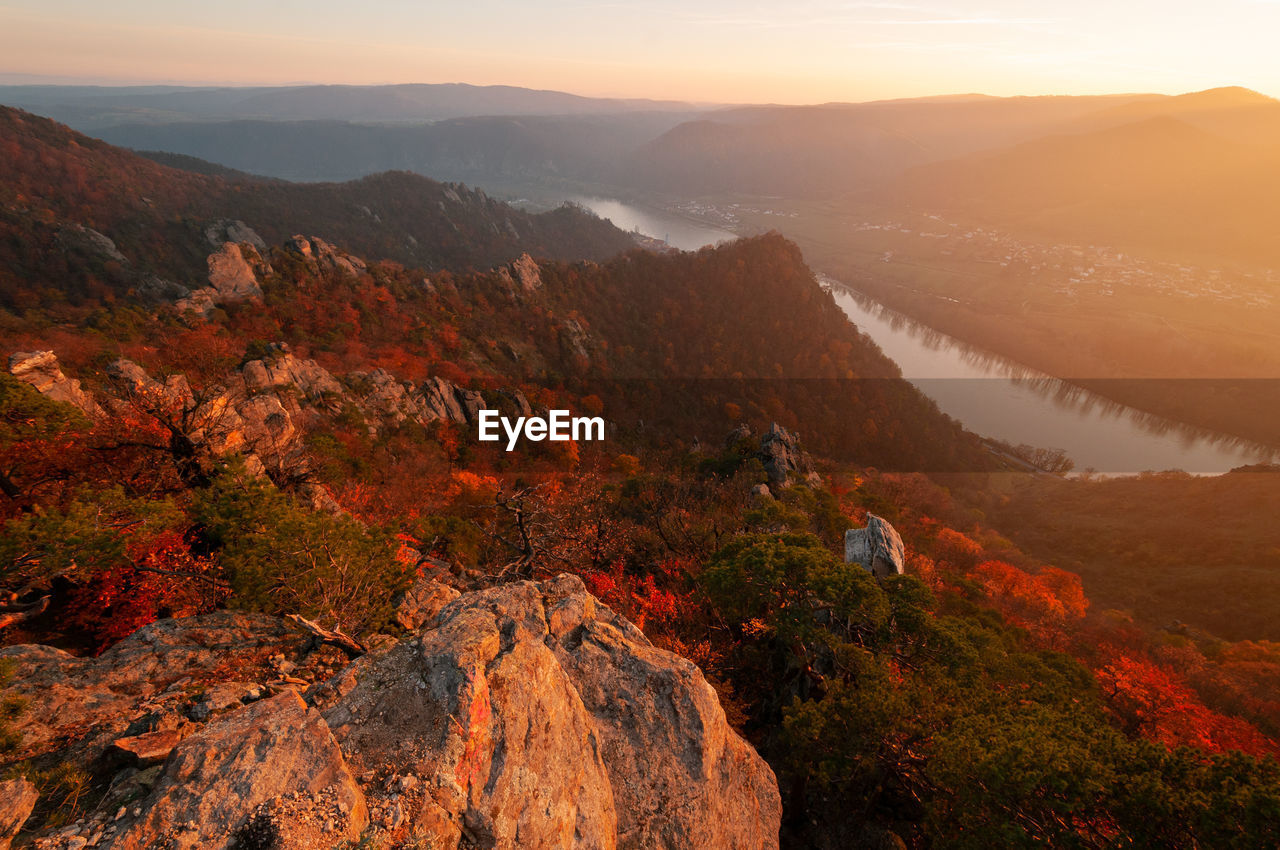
column 540, row 718
column 522, row 716
column 214, row 781
column 878, row 548
column 79, row 706
column 17, row 799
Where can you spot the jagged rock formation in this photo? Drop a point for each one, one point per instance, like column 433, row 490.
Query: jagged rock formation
column 526, row 715
column 525, row 272
column 781, row 455
column 41, row 370
column 226, row 230
column 878, row 548
column 233, row 276
column 262, row 410
column 17, row 798
column 79, row 706
column 542, row 719
column 422, row 602
column 216, row 777
column 322, row 256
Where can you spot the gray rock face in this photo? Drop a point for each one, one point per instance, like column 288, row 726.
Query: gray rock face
column 324, row 257
column 781, row 455
column 232, row 230
column 214, row 781
column 233, row 276
column 42, row 371
column 878, row 548
column 524, row 273
column 546, row 720
column 17, row 798
column 90, row 241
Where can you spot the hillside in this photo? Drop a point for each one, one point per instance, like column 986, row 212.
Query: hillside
column 262, row 583
column 822, row 152
column 1159, row 185
column 55, row 184
column 486, row 150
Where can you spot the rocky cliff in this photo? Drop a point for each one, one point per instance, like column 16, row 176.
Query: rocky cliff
column 527, row 715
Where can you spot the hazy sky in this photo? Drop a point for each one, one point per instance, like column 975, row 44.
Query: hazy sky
column 717, row 50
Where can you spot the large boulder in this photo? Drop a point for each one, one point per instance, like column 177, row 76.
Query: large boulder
column 233, row 276
column 17, row 798
column 226, row 230
column 878, row 548
column 544, row 720
column 214, row 782
column 781, row 455
column 42, row 371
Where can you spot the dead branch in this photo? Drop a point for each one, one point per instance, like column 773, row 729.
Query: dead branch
column 343, row 641
column 10, row 614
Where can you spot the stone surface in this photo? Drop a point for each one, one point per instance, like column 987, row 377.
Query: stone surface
column 878, row 548
column 148, row 748
column 422, row 602
column 81, row 705
column 233, row 230
column 17, row 798
column 543, row 719
column 42, row 371
column 781, row 455
column 324, row 257
column 214, row 782
column 233, row 276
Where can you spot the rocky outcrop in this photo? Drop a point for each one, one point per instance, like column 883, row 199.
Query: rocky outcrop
column 213, row 782
column 523, row 273
column 80, row 706
column 878, row 548
column 421, row 603
column 88, row 241
column 526, row 715
column 226, row 230
column 542, row 719
column 17, row 799
column 322, row 256
column 233, row 276
column 42, row 371
column 306, row 381
column 781, row 455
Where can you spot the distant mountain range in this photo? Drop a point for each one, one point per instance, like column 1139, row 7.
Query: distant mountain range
column 82, row 217
column 97, row 106
column 1198, row 172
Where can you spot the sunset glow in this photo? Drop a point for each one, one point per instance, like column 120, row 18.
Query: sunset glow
column 813, row 51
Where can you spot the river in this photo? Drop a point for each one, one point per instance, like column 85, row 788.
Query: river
column 991, row 395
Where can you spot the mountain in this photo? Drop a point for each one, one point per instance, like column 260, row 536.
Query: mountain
column 834, row 149
column 1159, row 184
column 98, row 106
column 79, row 214
column 262, row 584
column 484, row 150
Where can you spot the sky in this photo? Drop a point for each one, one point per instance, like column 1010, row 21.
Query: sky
column 726, row 51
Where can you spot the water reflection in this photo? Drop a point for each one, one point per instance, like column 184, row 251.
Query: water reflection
column 1003, row 399
column 675, row 231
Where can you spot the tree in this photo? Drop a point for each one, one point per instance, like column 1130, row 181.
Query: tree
column 281, row 557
